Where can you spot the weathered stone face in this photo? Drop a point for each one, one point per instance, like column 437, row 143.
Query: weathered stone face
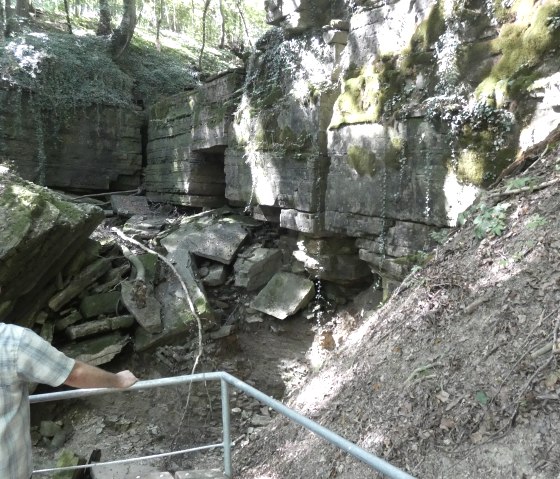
column 187, row 135
column 388, row 173
column 96, row 148
column 297, row 15
column 40, row 233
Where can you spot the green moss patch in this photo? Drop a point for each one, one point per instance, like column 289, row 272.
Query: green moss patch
column 362, row 160
column 429, row 30
column 366, row 93
column 480, row 161
column 523, row 46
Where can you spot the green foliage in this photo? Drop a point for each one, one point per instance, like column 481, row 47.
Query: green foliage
column 536, row 222
column 520, row 182
column 160, row 73
column 481, row 397
column 64, row 71
column 176, row 16
column 361, row 160
column 490, row 220
column 439, row 236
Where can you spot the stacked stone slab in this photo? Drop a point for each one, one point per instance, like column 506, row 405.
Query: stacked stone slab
column 187, row 135
column 278, row 149
column 298, row 15
column 378, row 121
column 95, row 148
column 39, row 235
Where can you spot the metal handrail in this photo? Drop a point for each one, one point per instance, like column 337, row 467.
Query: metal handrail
column 226, row 379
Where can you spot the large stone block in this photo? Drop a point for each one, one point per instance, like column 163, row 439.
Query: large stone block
column 254, row 268
column 297, row 15
column 94, row 148
column 389, row 173
column 275, row 179
column 311, row 223
column 385, row 27
column 332, row 259
column 40, row 233
column 284, row 295
column 187, row 134
column 403, row 239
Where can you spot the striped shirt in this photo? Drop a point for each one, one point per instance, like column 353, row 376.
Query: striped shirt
column 24, row 357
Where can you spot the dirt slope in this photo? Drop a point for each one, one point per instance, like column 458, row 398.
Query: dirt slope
column 441, row 380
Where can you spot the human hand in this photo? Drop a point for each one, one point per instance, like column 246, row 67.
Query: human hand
column 126, row 379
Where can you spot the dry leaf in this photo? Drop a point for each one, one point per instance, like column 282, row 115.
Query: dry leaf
column 443, row 396
column 476, row 437
column 552, row 379
column 446, row 423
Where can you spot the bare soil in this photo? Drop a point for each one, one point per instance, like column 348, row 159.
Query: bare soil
column 444, row 380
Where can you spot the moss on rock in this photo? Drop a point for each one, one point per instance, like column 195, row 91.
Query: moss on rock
column 366, row 92
column 429, row 30
column 362, row 160
column 523, row 46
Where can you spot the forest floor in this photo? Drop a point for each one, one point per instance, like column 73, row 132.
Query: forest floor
column 454, row 376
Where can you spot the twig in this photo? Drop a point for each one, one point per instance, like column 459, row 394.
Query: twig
column 181, row 281
column 192, row 308
column 475, row 304
column 542, row 318
column 423, row 378
column 540, row 186
column 109, row 193
column 421, row 369
column 553, row 346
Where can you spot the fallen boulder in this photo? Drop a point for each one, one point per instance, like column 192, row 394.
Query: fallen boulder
column 284, row 295
column 255, row 267
column 40, row 233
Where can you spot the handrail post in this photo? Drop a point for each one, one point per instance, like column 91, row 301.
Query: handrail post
column 226, row 425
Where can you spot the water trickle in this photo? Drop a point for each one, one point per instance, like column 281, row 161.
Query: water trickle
column 250, row 157
column 40, row 137
column 318, row 301
column 383, row 236
column 428, row 176
column 402, row 167
column 17, row 112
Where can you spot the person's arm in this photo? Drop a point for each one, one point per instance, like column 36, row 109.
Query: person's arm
column 86, row 376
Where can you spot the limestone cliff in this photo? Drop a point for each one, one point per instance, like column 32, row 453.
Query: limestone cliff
column 365, row 127
column 381, row 120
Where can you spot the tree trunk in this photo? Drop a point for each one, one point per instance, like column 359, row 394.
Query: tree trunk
column 9, row 28
column 67, row 10
column 223, row 25
column 22, row 8
column 122, row 35
column 204, row 14
column 104, row 25
column 158, row 23
column 2, row 18
column 240, row 10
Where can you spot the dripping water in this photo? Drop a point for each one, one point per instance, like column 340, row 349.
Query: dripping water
column 39, row 133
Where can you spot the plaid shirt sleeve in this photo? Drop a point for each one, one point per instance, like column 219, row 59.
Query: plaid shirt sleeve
column 38, row 361
column 24, row 357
